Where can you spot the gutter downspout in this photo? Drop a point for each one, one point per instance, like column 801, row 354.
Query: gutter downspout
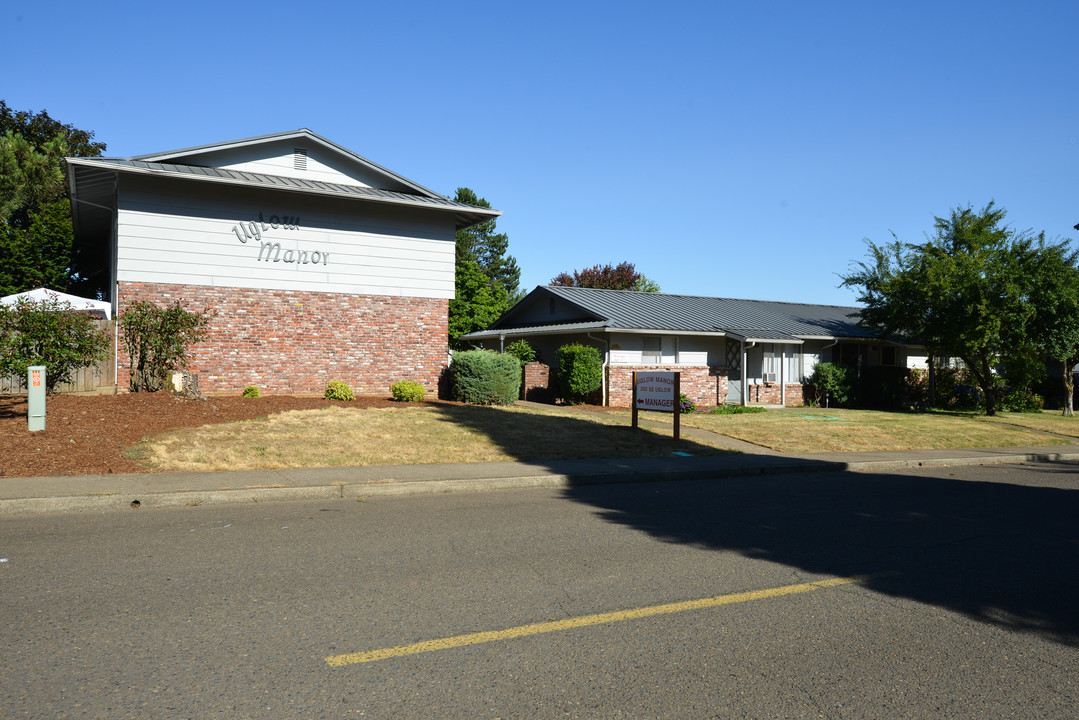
column 606, row 361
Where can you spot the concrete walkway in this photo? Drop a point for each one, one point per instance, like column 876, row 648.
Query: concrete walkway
column 123, row 492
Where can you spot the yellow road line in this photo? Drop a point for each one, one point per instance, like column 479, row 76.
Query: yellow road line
column 583, row 621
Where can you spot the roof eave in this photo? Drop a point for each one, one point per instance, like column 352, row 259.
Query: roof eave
column 462, row 217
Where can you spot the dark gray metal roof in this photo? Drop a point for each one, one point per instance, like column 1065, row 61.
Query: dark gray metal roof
column 465, row 215
column 643, row 312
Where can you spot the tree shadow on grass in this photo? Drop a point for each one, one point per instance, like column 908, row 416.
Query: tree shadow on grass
column 535, row 437
column 997, row 551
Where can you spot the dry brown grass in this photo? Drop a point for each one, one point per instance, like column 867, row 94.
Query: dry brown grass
column 1050, row 421
column 809, row 430
column 339, row 436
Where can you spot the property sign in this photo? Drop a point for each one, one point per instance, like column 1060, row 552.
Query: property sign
column 656, row 391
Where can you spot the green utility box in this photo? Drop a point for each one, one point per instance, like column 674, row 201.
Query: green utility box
column 35, row 390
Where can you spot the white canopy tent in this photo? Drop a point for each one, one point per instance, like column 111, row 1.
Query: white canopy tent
column 97, row 308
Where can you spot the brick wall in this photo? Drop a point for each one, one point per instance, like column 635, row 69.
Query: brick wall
column 705, row 386
column 536, row 383
column 291, row 342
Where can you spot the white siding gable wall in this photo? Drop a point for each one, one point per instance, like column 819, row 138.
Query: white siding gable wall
column 278, row 158
column 185, row 233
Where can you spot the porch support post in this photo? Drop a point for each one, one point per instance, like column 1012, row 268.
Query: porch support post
column 783, row 374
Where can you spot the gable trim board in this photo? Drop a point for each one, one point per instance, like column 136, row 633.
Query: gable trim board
column 729, row 350
column 332, row 269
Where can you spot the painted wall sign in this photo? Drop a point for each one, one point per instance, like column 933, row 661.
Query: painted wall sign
column 271, row 251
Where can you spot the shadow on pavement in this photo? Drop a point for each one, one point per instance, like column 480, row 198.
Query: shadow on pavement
column 1001, row 553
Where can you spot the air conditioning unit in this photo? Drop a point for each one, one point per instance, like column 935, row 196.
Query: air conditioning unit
column 770, row 377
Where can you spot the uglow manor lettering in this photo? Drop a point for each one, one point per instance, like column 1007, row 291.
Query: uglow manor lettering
column 269, row 250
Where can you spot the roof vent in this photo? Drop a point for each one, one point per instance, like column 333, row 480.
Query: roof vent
column 299, row 158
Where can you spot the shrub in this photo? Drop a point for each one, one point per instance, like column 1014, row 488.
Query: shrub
column 484, row 377
column 339, row 390
column 1019, row 400
column 832, row 384
column 883, row 387
column 521, row 350
column 157, row 340
column 685, row 405
column 580, row 372
column 50, row 334
column 735, row 410
column 251, row 391
column 408, row 391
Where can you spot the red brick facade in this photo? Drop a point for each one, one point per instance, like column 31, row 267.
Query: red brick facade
column 291, row 342
column 536, row 382
column 705, row 386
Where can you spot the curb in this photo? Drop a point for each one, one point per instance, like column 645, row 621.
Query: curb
column 121, row 500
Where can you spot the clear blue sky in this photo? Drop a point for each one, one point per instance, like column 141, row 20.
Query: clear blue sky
column 730, row 149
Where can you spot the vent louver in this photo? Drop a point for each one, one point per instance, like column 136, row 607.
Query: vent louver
column 299, row 158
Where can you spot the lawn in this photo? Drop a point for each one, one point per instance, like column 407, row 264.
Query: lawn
column 341, row 436
column 809, row 430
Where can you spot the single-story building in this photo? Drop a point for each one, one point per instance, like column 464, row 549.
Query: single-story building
column 727, row 350
column 316, row 263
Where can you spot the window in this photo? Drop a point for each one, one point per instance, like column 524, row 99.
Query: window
column 887, row 355
column 652, row 353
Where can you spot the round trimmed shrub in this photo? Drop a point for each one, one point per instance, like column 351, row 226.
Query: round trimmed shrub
column 408, row 391
column 339, row 390
column 484, row 377
column 252, row 391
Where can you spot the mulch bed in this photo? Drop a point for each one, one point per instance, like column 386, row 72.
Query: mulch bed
column 87, row 434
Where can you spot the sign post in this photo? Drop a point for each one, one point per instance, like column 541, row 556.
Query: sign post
column 35, row 391
column 659, row 391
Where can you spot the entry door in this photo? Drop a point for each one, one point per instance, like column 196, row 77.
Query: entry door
column 734, row 373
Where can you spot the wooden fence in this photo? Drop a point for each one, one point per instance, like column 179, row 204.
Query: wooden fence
column 95, row 378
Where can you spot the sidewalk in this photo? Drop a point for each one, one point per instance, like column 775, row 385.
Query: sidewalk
column 123, row 492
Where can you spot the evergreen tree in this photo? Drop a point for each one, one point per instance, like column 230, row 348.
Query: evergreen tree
column 36, row 233
column 487, row 278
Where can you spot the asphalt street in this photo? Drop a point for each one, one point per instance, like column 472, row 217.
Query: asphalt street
column 921, row 593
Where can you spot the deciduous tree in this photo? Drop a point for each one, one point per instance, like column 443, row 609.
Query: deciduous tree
column 623, row 276
column 1055, row 299
column 964, row 292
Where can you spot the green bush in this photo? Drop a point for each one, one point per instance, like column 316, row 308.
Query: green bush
column 833, row 384
column 408, row 391
column 883, row 387
column 735, row 410
column 685, row 405
column 157, row 340
column 339, row 390
column 48, row 333
column 484, row 377
column 580, row 372
column 522, row 350
column 251, row 391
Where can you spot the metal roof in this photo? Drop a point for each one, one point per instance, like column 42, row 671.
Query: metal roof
column 624, row 310
column 464, row 215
